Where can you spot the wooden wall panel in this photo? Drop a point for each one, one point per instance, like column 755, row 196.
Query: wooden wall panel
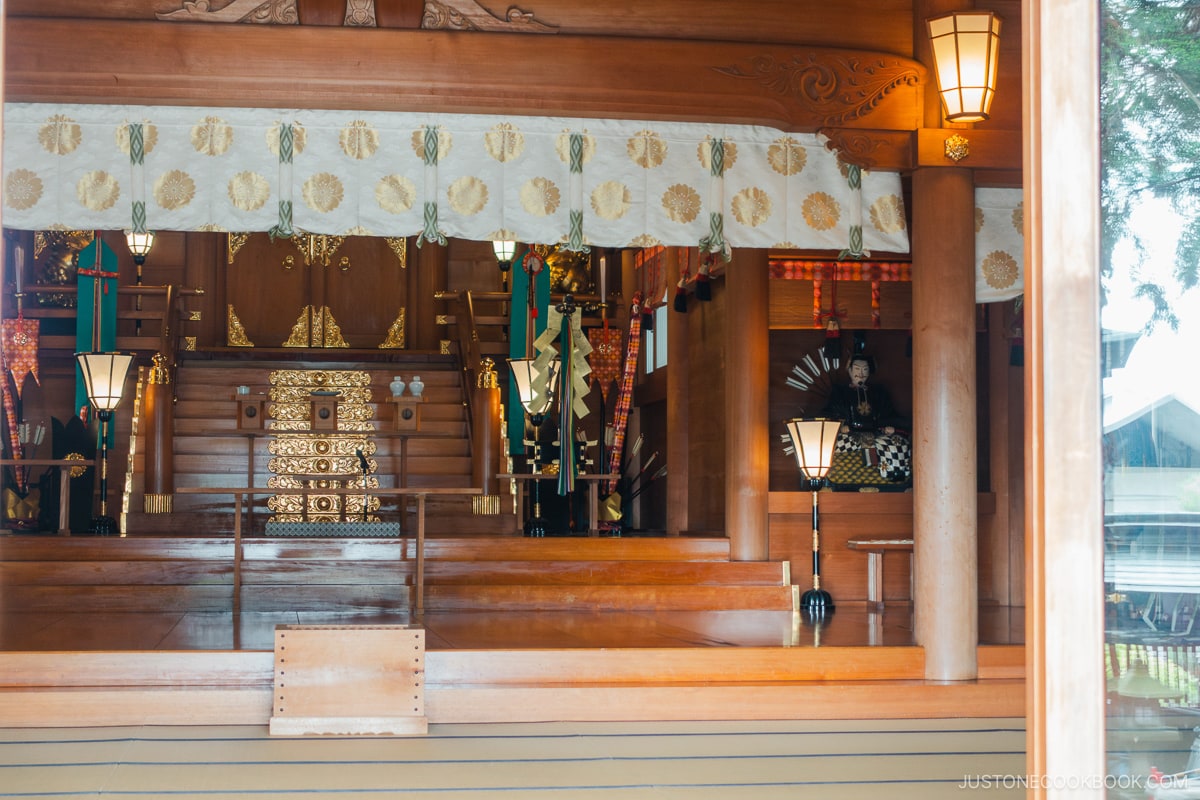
column 446, row 71
column 792, row 304
column 706, row 411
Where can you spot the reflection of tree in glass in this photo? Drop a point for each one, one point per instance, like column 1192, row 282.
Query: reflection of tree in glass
column 1150, row 121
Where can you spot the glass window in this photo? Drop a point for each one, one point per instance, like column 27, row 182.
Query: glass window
column 1150, row 145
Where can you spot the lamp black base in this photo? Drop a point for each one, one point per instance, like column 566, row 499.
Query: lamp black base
column 103, row 526
column 816, row 601
column 535, row 526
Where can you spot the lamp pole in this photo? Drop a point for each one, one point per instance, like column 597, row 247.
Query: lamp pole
column 813, row 442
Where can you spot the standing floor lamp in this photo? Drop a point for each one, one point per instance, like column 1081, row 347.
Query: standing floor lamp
column 813, row 441
column 536, row 398
column 104, row 376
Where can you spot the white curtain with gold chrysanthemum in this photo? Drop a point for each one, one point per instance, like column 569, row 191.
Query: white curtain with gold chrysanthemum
column 534, row 179
column 999, row 245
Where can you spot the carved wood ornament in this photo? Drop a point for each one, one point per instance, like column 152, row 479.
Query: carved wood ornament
column 459, row 15
column 837, row 87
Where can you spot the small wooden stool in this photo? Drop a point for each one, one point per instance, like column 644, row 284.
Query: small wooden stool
column 875, row 548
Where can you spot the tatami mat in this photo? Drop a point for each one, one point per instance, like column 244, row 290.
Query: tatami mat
column 897, row 760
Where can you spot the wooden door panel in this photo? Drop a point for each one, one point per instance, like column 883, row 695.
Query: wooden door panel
column 318, row 291
column 364, row 289
column 267, row 291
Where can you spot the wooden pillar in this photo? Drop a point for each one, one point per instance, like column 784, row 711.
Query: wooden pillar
column 677, row 411
column 159, row 490
column 426, row 277
column 945, row 518
column 485, row 445
column 747, row 442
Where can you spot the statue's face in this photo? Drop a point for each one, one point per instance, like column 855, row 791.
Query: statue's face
column 859, row 372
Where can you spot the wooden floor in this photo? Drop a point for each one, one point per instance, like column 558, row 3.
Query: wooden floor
column 483, row 630
column 79, row 669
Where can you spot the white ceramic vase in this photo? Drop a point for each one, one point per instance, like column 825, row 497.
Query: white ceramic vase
column 416, row 386
column 397, row 385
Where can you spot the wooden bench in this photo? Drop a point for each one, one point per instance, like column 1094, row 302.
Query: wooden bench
column 875, row 548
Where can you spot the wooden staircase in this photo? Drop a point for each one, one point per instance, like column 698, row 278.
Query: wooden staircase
column 210, row 449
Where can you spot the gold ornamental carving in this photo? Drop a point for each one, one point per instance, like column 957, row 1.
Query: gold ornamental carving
column 266, row 12
column 319, row 378
column 319, row 249
column 395, row 339
column 836, row 87
column 399, row 245
column 189, row 343
column 235, row 334
column 159, row 374
column 957, row 147
column 315, row 328
column 468, row 15
column 314, row 460
column 233, row 243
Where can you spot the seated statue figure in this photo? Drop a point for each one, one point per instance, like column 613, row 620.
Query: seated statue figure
column 871, row 448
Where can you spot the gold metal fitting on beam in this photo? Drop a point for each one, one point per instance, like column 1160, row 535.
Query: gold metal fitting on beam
column 957, row 147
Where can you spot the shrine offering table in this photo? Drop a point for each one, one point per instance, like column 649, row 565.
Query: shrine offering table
column 592, row 480
column 64, row 465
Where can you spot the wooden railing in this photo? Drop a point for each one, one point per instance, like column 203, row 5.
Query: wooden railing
column 240, row 492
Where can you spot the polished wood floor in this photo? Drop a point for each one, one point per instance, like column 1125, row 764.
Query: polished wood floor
column 482, row 630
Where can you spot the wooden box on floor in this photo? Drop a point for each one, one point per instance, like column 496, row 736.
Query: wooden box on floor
column 349, row 680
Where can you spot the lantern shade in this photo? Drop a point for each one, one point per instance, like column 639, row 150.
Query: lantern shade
column 139, row 243
column 536, row 395
column 966, row 50
column 813, row 441
column 104, row 376
column 504, row 249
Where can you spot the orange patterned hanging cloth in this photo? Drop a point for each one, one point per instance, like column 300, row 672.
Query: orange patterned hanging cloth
column 20, row 338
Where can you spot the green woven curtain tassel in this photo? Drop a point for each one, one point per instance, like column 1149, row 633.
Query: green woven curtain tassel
column 137, row 182
column 575, row 233
column 430, row 232
column 715, row 241
column 283, row 228
column 855, row 249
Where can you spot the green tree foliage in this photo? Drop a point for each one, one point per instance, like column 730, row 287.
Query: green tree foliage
column 1150, row 129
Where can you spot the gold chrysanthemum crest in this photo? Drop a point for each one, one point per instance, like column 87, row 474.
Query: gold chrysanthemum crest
column 323, row 192
column 821, row 211
column 681, row 203
column 504, row 142
column 212, row 136
column 468, row 195
column 174, row 189
column 22, row 189
column 887, row 214
column 60, row 135
column 540, row 197
column 751, row 206
column 611, row 200
column 395, row 194
column 359, row 140
column 787, row 156
column 97, row 190
column 999, row 269
column 646, row 149
column 249, row 191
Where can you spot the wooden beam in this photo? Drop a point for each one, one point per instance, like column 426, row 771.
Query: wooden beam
column 988, row 149
column 288, row 66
